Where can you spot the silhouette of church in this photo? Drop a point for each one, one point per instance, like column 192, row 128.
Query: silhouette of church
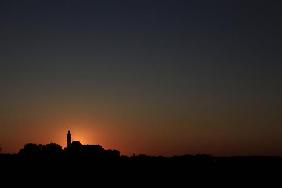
column 78, row 148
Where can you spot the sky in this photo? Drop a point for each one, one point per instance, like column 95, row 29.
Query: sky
column 157, row 77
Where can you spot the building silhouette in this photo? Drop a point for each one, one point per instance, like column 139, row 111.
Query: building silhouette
column 68, row 139
column 75, row 147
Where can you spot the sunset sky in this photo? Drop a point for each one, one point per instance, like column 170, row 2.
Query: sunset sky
column 159, row 77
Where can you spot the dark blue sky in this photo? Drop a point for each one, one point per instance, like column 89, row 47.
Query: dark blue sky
column 193, row 76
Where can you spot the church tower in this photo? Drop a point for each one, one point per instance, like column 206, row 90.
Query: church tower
column 68, row 139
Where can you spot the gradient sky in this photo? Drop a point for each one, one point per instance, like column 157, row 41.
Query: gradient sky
column 157, row 77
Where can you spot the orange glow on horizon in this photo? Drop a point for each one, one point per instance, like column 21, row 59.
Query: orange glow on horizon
column 82, row 136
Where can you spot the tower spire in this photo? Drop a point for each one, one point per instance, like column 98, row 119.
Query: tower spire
column 68, row 139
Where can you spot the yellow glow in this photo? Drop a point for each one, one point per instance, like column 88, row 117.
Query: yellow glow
column 79, row 136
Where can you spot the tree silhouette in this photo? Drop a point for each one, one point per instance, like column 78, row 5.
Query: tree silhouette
column 31, row 149
column 52, row 149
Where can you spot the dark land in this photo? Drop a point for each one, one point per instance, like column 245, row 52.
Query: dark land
column 92, row 163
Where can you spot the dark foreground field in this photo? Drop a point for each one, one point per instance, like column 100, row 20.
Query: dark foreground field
column 141, row 170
